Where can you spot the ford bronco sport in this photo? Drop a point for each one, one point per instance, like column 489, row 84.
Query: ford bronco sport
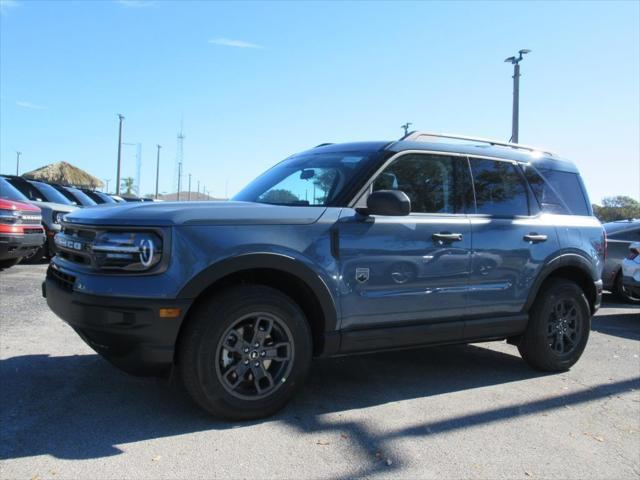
column 344, row 248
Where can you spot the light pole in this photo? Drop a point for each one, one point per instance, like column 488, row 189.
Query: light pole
column 189, row 194
column 107, row 180
column 157, row 169
column 18, row 163
column 515, row 61
column 179, row 180
column 406, row 128
column 121, row 118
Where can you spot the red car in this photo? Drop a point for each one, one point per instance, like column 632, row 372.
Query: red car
column 21, row 232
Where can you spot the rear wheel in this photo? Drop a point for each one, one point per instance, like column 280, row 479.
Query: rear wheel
column 558, row 328
column 245, row 352
column 621, row 292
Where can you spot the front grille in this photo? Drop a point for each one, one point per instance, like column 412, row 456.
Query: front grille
column 74, row 244
column 63, row 280
column 29, row 218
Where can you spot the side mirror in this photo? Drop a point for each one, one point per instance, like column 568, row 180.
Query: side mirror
column 388, row 202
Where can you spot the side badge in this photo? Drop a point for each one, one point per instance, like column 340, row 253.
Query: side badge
column 362, row 275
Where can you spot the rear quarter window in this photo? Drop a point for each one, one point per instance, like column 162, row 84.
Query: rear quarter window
column 557, row 192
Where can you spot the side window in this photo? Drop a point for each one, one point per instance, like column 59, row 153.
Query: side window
column 632, row 235
column 568, row 185
column 500, row 189
column 434, row 183
column 550, row 201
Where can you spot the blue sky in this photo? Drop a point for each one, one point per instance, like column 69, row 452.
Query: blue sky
column 256, row 82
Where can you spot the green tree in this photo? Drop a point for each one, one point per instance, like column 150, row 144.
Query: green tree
column 279, row 196
column 617, row 208
column 128, row 185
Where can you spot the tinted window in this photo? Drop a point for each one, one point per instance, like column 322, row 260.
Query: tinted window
column 27, row 189
column 51, row 194
column 500, row 189
column 557, row 192
column 82, row 197
column 434, row 183
column 10, row 192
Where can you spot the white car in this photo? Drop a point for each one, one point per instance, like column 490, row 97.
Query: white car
column 631, row 270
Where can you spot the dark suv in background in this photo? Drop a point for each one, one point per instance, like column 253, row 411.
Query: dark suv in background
column 341, row 249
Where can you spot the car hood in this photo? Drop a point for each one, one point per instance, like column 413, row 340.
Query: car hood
column 195, row 213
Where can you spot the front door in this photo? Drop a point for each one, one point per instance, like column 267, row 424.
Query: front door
column 411, row 269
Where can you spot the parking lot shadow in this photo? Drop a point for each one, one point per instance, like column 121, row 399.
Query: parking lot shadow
column 624, row 324
column 79, row 407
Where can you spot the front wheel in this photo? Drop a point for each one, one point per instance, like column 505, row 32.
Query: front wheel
column 558, row 328
column 245, row 352
column 621, row 291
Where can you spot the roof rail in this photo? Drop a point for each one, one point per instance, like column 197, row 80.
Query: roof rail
column 417, row 136
column 323, row 145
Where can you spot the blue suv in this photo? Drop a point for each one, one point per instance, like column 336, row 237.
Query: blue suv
column 344, row 248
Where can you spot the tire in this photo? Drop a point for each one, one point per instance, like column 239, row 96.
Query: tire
column 219, row 339
column 621, row 292
column 558, row 328
column 35, row 257
column 9, row 263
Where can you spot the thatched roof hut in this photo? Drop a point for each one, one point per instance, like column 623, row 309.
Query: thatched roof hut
column 65, row 174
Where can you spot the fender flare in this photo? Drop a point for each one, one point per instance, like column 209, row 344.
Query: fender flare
column 575, row 260
column 273, row 261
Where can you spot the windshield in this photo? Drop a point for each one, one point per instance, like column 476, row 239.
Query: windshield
column 82, row 197
column 51, row 194
column 308, row 179
column 10, row 192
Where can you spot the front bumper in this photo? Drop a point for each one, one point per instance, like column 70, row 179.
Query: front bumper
column 19, row 245
column 128, row 332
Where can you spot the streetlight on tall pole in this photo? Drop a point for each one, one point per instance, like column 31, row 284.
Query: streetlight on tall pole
column 121, row 118
column 515, row 61
column 18, row 163
column 107, row 180
column 157, row 169
column 179, row 180
column 189, row 194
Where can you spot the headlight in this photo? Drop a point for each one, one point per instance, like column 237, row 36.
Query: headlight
column 58, row 217
column 131, row 251
column 8, row 216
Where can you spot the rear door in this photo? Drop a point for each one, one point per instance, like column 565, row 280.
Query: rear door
column 510, row 240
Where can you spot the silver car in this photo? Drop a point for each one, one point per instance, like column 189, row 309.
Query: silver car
column 620, row 235
column 631, row 271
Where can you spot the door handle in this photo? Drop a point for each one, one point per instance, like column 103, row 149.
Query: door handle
column 534, row 238
column 447, row 237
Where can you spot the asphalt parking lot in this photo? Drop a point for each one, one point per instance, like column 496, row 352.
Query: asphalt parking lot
column 472, row 411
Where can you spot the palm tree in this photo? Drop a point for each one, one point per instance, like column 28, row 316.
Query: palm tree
column 128, row 186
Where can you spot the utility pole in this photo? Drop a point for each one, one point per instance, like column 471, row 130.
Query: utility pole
column 189, row 194
column 515, row 61
column 198, row 195
column 107, row 180
column 157, row 170
column 121, row 118
column 18, row 163
column 179, row 180
column 406, row 128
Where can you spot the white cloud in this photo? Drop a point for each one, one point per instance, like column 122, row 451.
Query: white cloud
column 135, row 3
column 234, row 43
column 5, row 5
column 30, row 106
